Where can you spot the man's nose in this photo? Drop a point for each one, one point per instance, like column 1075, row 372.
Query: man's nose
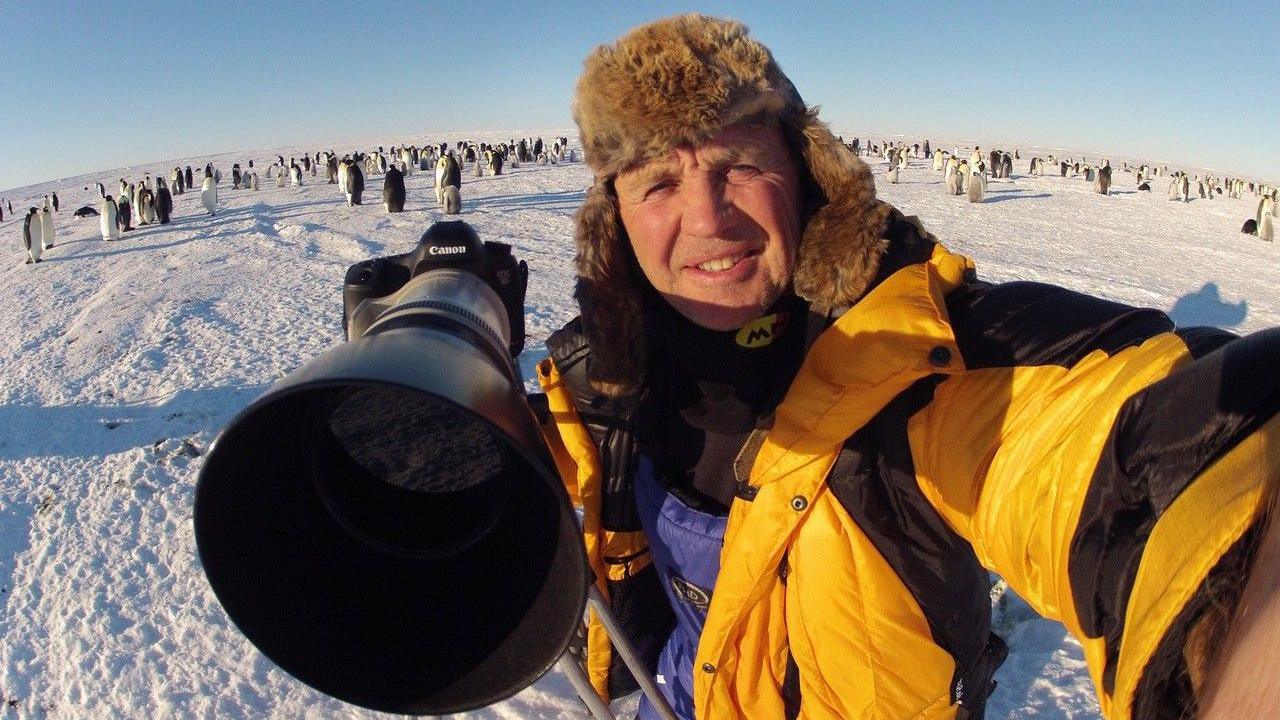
column 707, row 209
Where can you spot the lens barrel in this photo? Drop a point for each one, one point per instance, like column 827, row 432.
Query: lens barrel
column 386, row 524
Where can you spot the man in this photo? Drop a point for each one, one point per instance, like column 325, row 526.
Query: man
column 799, row 427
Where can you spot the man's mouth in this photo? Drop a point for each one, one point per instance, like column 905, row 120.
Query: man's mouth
column 721, row 264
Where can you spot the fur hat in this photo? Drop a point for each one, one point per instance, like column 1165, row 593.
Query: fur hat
column 678, row 82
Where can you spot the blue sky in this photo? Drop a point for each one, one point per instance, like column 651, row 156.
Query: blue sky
column 100, row 84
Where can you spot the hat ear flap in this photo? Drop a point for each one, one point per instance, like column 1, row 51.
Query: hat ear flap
column 843, row 240
column 608, row 295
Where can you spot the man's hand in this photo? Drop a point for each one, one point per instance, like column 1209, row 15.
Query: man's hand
column 1245, row 680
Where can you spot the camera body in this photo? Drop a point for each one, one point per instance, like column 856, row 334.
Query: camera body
column 372, row 288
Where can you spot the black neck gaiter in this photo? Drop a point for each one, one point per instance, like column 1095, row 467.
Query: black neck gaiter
column 708, row 390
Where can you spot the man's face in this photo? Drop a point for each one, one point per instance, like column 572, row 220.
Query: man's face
column 715, row 227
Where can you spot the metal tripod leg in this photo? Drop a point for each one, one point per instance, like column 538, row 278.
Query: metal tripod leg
column 628, row 653
column 578, row 678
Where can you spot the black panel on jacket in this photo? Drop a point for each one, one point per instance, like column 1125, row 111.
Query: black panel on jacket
column 906, row 247
column 1163, row 437
column 608, row 422
column 643, row 609
column 1024, row 323
column 874, row 480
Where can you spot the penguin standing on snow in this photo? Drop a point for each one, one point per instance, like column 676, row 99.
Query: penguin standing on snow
column 146, row 205
column 107, row 219
column 1103, row 182
column 448, row 174
column 295, row 173
column 393, row 190
column 235, row 176
column 355, row 184
column 209, row 195
column 977, row 183
column 124, row 216
column 190, row 179
column 55, row 201
column 46, row 228
column 31, row 236
column 164, row 202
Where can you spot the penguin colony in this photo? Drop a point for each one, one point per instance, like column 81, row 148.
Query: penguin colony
column 968, row 176
column 150, row 200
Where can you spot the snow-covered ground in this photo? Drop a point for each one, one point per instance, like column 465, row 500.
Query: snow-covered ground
column 119, row 362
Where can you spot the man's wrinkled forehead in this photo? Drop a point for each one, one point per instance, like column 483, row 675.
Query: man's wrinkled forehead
column 756, row 144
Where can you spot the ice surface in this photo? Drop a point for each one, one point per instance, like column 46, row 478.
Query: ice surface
column 120, row 362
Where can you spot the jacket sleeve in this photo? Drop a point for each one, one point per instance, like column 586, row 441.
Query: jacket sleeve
column 1112, row 468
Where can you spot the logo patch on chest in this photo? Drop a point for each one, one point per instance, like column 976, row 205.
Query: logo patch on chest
column 690, row 594
column 761, row 332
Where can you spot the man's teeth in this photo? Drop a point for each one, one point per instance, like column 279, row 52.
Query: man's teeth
column 718, row 265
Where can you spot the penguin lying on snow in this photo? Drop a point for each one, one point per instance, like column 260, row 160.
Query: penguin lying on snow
column 86, row 211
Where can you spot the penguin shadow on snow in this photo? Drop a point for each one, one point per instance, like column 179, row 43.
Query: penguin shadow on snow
column 119, row 247
column 1014, row 194
column 562, row 200
column 1206, row 307
column 97, row 430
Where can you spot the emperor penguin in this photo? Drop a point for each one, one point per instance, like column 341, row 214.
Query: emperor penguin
column 46, row 228
column 209, row 195
column 495, row 163
column 938, row 160
column 355, row 184
column 344, row 171
column 892, row 175
column 393, row 190
column 331, row 168
column 55, row 201
column 253, row 179
column 452, row 200
column 977, row 183
column 1267, row 219
column 1173, row 189
column 102, row 191
column 146, row 205
column 447, row 174
column 189, row 179
column 235, row 176
column 31, row 235
column 107, row 219
column 975, row 157
column 164, row 202
column 124, row 220
column 1184, row 188
column 295, row 174
column 175, row 180
column 1103, row 183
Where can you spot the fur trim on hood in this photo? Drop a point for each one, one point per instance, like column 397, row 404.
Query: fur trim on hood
column 678, row 82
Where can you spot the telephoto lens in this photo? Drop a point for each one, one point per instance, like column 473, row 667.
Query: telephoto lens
column 385, row 523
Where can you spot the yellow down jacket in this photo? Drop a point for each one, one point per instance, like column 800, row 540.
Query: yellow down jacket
column 1105, row 463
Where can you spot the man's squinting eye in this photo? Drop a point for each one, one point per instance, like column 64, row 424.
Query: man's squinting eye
column 658, row 187
column 743, row 171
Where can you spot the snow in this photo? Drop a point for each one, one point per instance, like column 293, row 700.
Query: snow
column 121, row 361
